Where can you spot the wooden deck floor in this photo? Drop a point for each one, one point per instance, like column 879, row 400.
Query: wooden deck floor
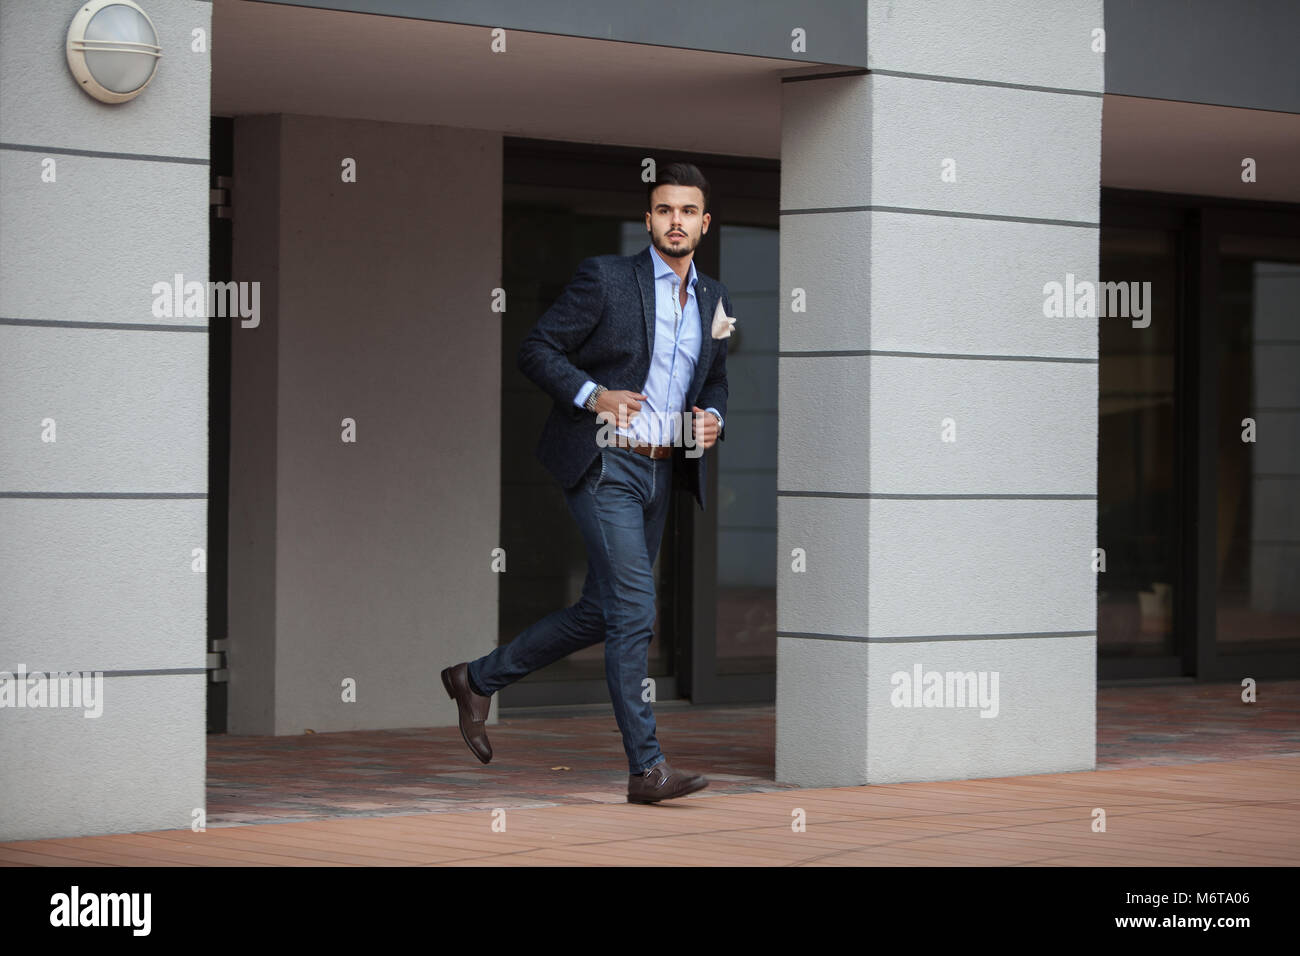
column 1239, row 813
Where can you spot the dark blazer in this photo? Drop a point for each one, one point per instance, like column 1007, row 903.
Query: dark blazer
column 602, row 328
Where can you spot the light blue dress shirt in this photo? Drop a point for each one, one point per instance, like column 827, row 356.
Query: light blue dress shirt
column 672, row 366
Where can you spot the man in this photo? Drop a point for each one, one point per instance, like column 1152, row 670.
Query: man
column 639, row 383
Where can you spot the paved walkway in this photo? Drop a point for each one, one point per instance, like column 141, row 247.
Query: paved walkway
column 1238, row 813
column 579, row 760
column 1186, row 773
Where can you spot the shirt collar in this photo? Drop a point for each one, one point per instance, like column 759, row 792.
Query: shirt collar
column 662, row 268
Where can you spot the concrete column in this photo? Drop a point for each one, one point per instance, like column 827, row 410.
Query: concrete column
column 103, row 430
column 361, row 555
column 937, row 445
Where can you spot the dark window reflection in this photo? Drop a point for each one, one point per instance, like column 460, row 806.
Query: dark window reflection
column 1258, row 559
column 746, row 461
column 1138, row 491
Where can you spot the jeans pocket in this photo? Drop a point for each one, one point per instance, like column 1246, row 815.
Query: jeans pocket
column 600, row 475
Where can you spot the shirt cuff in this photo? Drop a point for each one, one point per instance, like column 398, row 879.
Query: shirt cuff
column 584, row 393
column 716, row 412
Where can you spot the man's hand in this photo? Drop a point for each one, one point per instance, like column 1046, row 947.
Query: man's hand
column 706, row 427
column 619, row 406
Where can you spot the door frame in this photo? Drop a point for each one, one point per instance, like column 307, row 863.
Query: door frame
column 743, row 191
column 1200, row 221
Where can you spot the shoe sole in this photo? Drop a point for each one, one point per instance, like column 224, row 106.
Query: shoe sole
column 632, row 799
column 451, row 693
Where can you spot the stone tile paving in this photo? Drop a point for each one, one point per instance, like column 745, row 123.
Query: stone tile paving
column 430, row 770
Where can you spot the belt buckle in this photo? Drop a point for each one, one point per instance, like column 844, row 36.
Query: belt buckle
column 654, row 452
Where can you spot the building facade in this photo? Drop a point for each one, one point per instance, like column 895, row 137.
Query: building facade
column 1013, row 393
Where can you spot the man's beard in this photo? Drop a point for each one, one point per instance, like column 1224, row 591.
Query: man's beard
column 685, row 249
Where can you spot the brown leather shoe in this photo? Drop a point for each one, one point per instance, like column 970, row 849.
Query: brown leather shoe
column 662, row 782
column 473, row 710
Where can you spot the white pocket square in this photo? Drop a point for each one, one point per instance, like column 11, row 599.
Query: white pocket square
column 722, row 323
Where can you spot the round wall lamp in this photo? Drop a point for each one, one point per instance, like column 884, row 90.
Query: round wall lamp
column 113, row 49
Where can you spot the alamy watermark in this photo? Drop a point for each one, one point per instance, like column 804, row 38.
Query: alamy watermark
column 76, row 908
column 1072, row 299
column 946, row 689
column 677, row 426
column 198, row 300
column 84, row 689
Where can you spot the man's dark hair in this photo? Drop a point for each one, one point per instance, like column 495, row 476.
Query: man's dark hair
column 678, row 174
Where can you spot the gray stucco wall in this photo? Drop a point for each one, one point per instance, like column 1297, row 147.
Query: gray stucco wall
column 97, row 528
column 368, row 560
column 925, row 303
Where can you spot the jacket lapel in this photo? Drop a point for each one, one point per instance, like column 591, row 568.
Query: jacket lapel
column 646, row 280
column 707, row 301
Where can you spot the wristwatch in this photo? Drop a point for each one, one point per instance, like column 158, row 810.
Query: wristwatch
column 590, row 403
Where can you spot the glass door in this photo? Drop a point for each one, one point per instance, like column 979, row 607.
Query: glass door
column 1257, row 557
column 563, row 202
column 1247, row 393
column 547, row 229
column 1140, row 457
column 1199, row 441
column 746, row 462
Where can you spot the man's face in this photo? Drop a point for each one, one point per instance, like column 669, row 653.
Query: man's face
column 676, row 219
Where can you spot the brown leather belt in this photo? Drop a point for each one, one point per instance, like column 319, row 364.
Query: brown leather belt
column 650, row 451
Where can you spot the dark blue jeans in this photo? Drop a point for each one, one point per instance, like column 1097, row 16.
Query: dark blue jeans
column 620, row 506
